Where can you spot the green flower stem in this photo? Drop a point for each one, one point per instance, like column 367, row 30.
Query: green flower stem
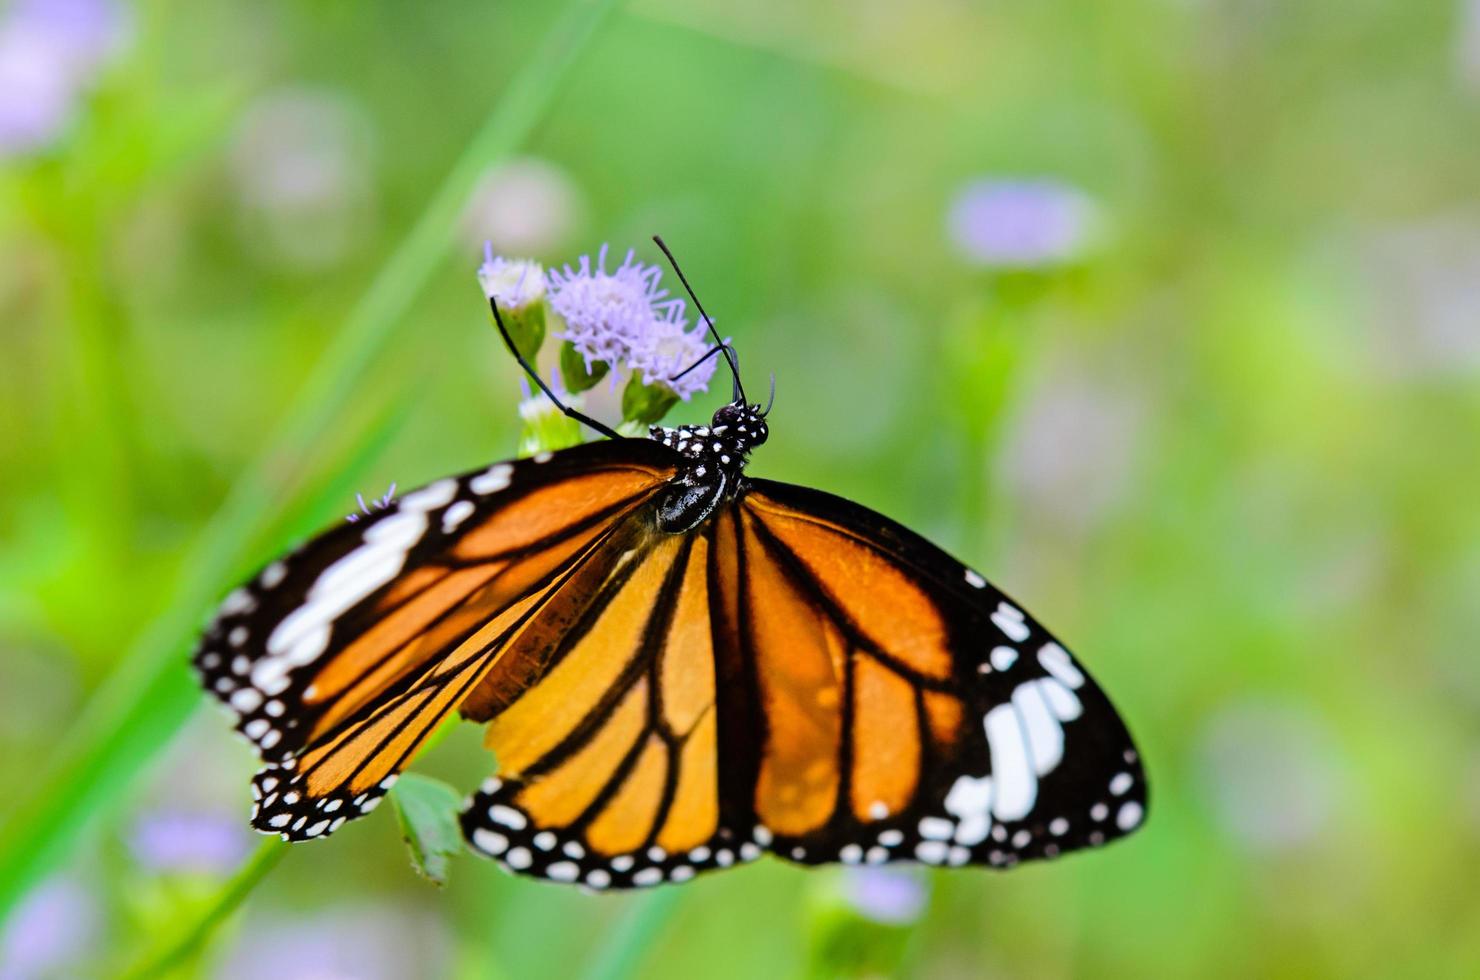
column 150, row 696
column 192, row 935
column 620, row 954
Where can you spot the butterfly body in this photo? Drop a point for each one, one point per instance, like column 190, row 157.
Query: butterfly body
column 713, row 457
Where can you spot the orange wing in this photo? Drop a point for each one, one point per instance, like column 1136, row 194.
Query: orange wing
column 799, row 675
column 609, row 761
column 340, row 659
column 909, row 710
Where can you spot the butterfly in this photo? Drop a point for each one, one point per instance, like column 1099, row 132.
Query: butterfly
column 678, row 666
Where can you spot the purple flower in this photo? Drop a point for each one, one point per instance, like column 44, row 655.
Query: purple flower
column 1022, row 224
column 669, row 347
column 515, row 283
column 361, row 941
column 1271, row 773
column 184, row 841
column 52, row 927
column 50, row 53
column 625, row 318
column 892, row 896
column 302, row 171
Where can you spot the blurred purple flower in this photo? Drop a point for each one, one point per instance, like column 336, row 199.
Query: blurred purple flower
column 1425, row 280
column 300, row 162
column 524, row 207
column 892, row 896
column 624, row 318
column 184, row 842
column 1469, row 43
column 1070, row 452
column 1269, row 772
column 515, row 283
column 54, row 926
column 50, row 52
column 355, row 942
column 1026, row 223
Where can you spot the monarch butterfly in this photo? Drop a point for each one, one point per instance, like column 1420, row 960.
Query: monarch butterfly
column 679, row 666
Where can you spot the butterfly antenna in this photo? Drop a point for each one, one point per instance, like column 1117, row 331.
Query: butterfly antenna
column 772, row 400
column 584, row 419
column 738, row 389
column 700, row 362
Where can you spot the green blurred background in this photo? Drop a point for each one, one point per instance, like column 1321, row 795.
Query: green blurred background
column 1165, row 314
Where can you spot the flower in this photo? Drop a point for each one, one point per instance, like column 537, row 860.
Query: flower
column 891, row 896
column 302, row 168
column 605, row 313
column 526, row 205
column 1022, row 224
column 364, row 941
column 374, row 505
column 515, row 283
column 188, row 841
column 52, row 927
column 50, row 52
column 624, row 317
column 667, row 348
column 1271, row 773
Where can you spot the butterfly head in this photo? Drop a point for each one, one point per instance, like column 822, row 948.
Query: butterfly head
column 742, row 425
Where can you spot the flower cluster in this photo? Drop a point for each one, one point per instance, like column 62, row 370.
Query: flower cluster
column 608, row 322
column 625, row 318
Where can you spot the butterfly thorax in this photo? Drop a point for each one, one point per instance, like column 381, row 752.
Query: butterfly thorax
column 712, row 458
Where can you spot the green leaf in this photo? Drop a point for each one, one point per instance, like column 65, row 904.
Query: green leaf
column 427, row 810
column 646, row 404
column 573, row 370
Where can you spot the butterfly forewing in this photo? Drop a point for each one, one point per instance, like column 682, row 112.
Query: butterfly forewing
column 340, row 658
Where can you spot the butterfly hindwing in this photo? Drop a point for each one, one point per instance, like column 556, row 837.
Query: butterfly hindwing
column 912, row 711
column 609, row 761
column 339, row 659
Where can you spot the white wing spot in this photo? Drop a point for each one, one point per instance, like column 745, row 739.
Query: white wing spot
column 1056, row 660
column 975, row 580
column 456, row 514
column 493, row 479
column 1009, row 619
column 1121, row 784
column 1129, row 816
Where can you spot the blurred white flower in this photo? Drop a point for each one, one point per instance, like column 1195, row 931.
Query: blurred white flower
column 1021, row 223
column 1468, row 43
column 51, row 51
column 1071, row 448
column 301, row 163
column 524, row 207
column 1269, row 772
column 1425, row 280
column 54, row 926
column 346, row 942
column 515, row 283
